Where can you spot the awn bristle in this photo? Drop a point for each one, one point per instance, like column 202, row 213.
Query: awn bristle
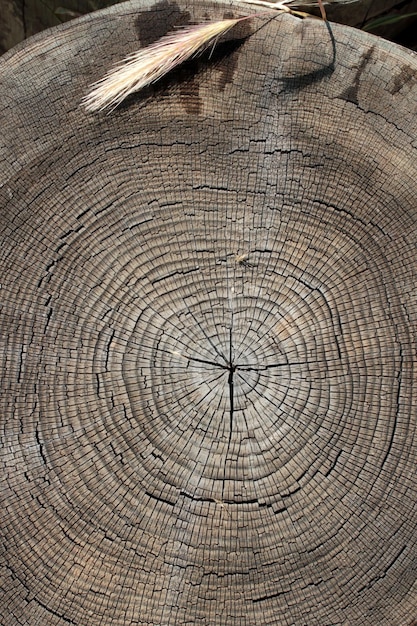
column 148, row 65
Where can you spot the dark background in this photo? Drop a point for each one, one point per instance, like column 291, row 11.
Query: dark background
column 21, row 18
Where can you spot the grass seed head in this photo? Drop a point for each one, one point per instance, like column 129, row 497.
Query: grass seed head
column 148, row 65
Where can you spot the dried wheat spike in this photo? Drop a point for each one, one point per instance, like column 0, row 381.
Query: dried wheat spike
column 148, row 65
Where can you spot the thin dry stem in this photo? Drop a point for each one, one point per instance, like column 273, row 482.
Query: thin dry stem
column 291, row 6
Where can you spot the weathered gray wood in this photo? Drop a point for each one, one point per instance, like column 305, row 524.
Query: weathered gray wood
column 208, row 327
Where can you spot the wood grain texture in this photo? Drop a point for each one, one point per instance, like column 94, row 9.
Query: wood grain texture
column 208, row 330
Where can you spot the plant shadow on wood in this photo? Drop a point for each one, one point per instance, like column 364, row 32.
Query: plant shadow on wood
column 185, row 79
column 301, row 81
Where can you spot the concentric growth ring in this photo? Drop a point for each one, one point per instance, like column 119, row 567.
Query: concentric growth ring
column 208, row 329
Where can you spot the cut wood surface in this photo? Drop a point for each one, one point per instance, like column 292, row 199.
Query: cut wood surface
column 208, row 329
